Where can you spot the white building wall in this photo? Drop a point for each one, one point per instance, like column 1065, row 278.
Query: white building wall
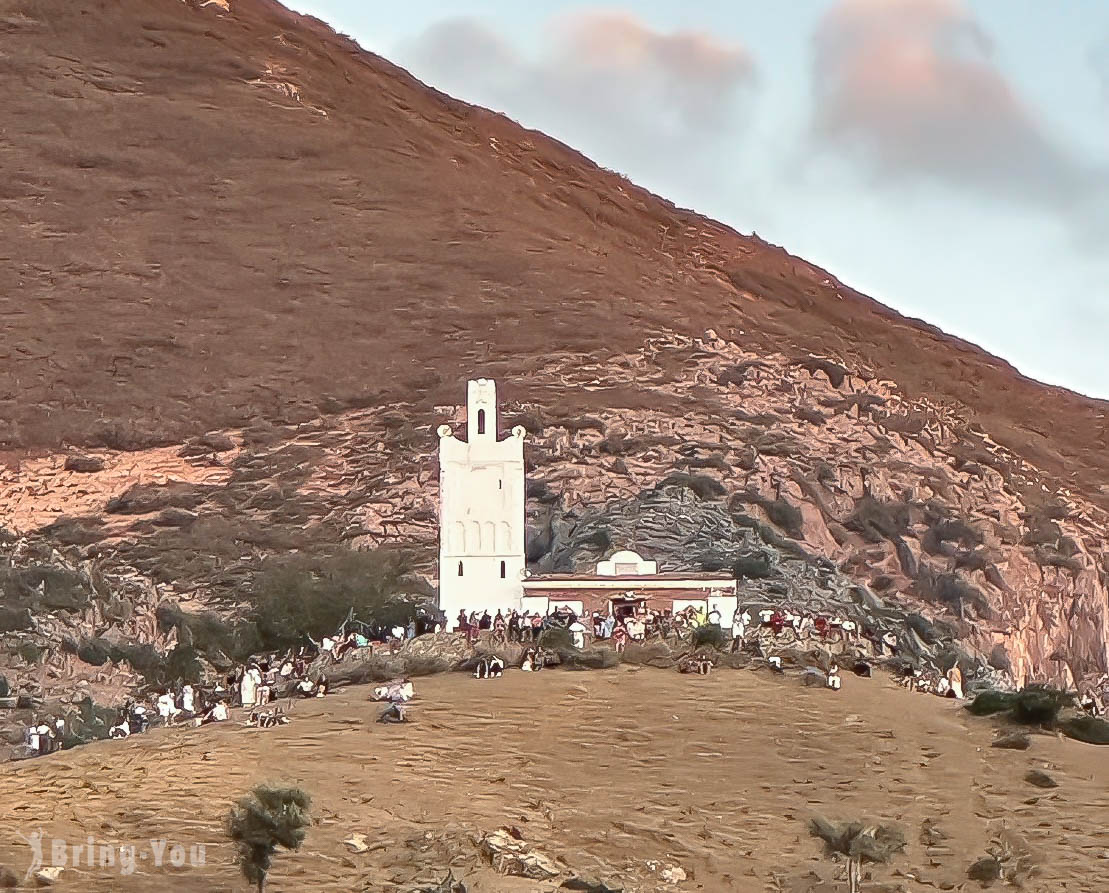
column 481, row 511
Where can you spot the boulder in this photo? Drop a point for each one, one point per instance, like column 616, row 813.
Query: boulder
column 510, row 855
column 1015, row 740
column 84, row 464
column 1040, row 779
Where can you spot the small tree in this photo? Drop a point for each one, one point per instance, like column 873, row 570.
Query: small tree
column 268, row 817
column 859, row 843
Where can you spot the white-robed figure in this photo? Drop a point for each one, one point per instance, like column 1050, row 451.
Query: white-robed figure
column 398, row 691
column 188, row 699
column 955, row 681
column 740, row 621
column 248, row 688
column 166, row 708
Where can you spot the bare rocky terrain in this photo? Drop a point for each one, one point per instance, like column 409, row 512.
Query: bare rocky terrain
column 246, row 267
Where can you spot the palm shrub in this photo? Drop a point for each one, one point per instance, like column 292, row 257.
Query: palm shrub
column 859, row 843
column 268, row 817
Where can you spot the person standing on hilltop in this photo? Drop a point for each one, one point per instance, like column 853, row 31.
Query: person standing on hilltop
column 486, row 622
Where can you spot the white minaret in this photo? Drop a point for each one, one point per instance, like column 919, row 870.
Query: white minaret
column 481, row 511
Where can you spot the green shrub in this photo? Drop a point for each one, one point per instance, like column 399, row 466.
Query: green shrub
column 990, row 702
column 94, row 651
column 12, row 619
column 877, row 520
column 262, row 821
column 1039, row 705
column 754, row 565
column 595, row 659
column 305, row 596
column 1089, row 729
column 1032, row 705
column 655, row 654
column 91, row 722
column 29, row 651
column 703, row 486
column 556, row 638
column 709, row 636
column 182, row 665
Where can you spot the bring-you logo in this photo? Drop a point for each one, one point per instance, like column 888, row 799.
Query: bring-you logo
column 51, row 855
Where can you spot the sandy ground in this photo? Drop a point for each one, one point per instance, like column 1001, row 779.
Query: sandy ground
column 603, row 771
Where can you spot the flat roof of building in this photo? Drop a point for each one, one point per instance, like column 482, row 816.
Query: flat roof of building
column 677, row 580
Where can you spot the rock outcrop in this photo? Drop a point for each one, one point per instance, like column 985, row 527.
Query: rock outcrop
column 887, row 505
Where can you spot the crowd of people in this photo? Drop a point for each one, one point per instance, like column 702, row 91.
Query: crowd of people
column 632, row 625
column 254, row 687
column 638, row 623
column 257, row 685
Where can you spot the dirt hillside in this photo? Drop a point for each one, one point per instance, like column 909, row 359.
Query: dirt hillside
column 617, row 775
column 224, row 221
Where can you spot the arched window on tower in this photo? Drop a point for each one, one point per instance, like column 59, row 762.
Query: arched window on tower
column 502, row 570
column 460, row 568
column 481, row 421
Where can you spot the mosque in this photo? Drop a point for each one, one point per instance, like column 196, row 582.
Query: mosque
column 482, row 532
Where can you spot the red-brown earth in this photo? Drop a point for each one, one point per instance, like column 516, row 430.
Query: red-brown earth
column 236, row 221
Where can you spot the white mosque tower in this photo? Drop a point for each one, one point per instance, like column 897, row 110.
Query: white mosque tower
column 481, row 511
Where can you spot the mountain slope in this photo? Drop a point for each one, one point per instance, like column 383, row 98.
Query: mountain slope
column 236, row 219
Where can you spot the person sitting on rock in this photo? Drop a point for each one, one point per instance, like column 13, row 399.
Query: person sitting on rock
column 120, row 729
column 481, row 671
column 834, row 680
column 137, row 718
column 775, row 663
column 496, row 667
column 218, row 713
column 528, row 663
column 704, row 665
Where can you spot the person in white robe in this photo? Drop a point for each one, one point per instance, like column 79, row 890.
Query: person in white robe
column 248, row 688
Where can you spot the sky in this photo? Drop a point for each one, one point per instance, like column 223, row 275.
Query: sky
column 950, row 158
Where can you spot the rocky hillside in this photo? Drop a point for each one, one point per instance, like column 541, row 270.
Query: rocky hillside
column 247, row 268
